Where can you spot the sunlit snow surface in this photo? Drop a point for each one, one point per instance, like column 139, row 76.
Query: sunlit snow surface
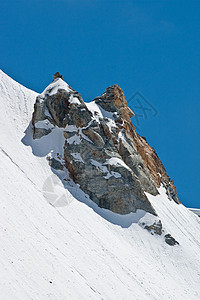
column 54, row 86
column 99, row 113
column 78, row 251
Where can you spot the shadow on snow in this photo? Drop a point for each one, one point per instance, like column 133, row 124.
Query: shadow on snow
column 54, row 142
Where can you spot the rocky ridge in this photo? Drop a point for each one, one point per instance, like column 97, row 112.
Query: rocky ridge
column 102, row 151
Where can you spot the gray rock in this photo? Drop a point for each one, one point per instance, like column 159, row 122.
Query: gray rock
column 155, row 228
column 170, row 240
column 55, row 164
column 103, row 154
column 41, row 113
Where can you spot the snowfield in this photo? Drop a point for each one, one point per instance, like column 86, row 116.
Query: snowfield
column 79, row 251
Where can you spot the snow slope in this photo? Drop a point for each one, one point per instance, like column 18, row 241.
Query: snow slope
column 73, row 251
column 195, row 211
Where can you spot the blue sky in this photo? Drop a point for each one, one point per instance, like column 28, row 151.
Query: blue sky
column 150, row 47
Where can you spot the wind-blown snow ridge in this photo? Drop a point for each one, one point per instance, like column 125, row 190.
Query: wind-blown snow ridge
column 74, row 252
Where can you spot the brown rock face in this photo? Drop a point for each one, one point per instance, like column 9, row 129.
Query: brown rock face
column 114, row 98
column 57, row 75
column 155, row 167
column 102, row 151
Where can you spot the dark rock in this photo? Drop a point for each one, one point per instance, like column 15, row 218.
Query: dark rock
column 57, row 75
column 41, row 113
column 55, row 164
column 170, row 240
column 155, row 228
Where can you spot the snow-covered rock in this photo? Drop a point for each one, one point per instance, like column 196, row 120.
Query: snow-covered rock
column 125, row 165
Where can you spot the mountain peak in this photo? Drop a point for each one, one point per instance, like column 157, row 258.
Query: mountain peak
column 115, row 166
column 113, row 99
column 58, row 85
column 57, row 75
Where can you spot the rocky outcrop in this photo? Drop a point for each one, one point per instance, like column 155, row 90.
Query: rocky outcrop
column 170, row 240
column 102, row 151
column 155, row 228
column 57, row 75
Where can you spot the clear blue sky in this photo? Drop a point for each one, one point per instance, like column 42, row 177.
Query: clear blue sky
column 148, row 46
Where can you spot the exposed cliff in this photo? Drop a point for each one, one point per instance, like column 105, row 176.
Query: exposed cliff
column 102, row 151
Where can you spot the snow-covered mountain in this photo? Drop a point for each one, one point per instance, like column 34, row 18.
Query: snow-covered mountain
column 79, row 250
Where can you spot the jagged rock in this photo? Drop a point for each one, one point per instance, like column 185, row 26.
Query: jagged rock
column 113, row 100
column 57, row 75
column 170, row 240
column 156, row 228
column 102, row 151
column 41, row 120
